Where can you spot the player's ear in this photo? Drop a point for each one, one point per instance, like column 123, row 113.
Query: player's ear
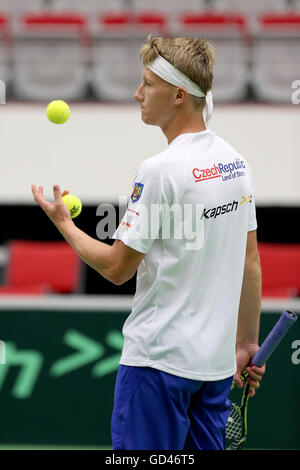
column 181, row 95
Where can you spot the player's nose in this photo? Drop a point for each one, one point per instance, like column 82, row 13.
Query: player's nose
column 138, row 96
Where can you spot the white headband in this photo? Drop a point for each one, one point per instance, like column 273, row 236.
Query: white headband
column 170, row 74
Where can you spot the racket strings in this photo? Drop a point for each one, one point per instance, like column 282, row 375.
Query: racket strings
column 234, row 427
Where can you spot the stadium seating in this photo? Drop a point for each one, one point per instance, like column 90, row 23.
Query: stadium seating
column 228, row 34
column 61, row 47
column 280, row 269
column 275, row 56
column 116, row 71
column 50, row 57
column 17, row 7
column 172, row 8
column 90, row 8
column 251, row 8
column 41, row 267
column 14, row 9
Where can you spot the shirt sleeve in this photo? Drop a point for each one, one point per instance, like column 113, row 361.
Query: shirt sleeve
column 142, row 221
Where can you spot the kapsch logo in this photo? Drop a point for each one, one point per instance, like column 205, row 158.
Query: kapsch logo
column 233, row 206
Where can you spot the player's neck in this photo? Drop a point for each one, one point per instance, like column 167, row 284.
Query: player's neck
column 182, row 125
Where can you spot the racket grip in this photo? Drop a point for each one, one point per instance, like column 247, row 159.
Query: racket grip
column 285, row 321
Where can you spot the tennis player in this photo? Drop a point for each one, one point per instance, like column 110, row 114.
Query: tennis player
column 195, row 317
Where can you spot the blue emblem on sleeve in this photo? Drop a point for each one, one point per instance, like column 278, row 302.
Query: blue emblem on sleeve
column 137, row 192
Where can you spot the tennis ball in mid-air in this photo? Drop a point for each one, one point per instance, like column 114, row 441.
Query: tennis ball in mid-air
column 73, row 203
column 58, row 111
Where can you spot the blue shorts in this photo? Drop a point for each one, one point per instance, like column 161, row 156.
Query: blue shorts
column 154, row 410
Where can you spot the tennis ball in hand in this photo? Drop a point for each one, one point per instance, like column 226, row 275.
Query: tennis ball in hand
column 58, row 111
column 73, row 203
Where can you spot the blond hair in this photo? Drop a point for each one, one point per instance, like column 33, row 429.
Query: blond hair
column 193, row 57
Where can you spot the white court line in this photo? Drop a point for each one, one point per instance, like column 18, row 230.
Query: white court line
column 68, row 302
column 110, row 303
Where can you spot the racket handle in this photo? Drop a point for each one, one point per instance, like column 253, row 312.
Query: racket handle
column 271, row 342
column 286, row 320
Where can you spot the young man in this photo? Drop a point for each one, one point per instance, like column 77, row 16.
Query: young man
column 195, row 316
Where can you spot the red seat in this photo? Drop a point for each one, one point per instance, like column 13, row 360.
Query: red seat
column 4, row 22
column 115, row 18
column 70, row 21
column 279, row 292
column 5, row 55
column 42, row 267
column 151, row 18
column 275, row 56
column 132, row 21
column 26, row 290
column 214, row 21
column 117, row 41
column 277, row 22
column 51, row 56
column 280, row 265
column 228, row 33
column 5, row 35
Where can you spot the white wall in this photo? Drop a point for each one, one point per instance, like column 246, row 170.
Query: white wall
column 96, row 153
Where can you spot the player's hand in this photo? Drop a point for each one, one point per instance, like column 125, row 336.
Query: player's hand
column 255, row 374
column 56, row 210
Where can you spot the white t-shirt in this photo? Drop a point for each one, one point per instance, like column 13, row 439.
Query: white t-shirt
column 185, row 308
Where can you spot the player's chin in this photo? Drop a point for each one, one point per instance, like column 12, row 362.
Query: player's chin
column 144, row 117
column 148, row 120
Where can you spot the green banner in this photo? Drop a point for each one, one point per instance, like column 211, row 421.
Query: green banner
column 57, row 385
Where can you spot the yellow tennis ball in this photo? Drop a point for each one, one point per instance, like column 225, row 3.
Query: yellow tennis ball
column 73, row 203
column 58, row 111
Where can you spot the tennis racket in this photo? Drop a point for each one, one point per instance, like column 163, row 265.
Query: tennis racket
column 236, row 428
